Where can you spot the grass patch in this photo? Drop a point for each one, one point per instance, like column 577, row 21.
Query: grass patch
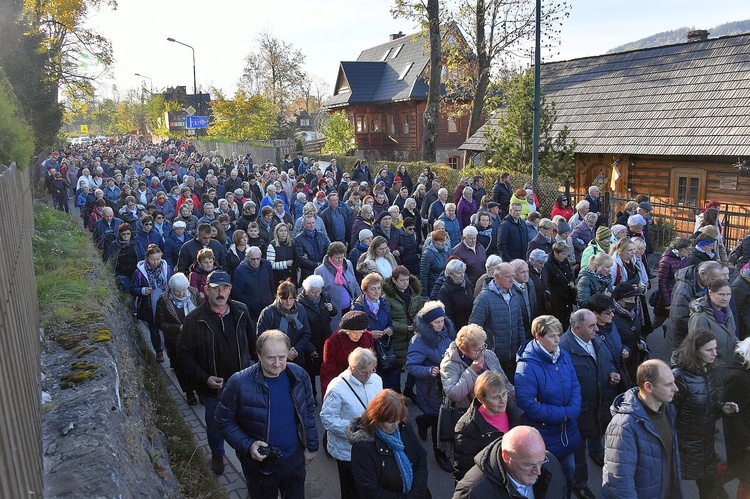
column 188, row 462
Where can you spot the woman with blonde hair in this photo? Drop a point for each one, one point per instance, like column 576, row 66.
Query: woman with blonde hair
column 596, row 278
column 378, row 259
column 281, row 254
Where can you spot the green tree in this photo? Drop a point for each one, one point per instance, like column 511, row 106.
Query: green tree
column 156, row 106
column 509, row 145
column 16, row 136
column 339, row 135
column 244, row 117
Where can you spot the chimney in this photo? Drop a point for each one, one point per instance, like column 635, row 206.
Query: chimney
column 396, row 36
column 697, row 35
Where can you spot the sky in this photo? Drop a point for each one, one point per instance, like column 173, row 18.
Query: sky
column 223, row 32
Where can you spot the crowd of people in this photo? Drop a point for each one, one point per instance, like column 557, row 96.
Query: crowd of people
column 522, row 340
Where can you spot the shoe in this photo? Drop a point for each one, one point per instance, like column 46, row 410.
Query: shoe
column 217, row 464
column 409, row 393
column 442, row 459
column 584, row 493
column 160, row 357
column 598, row 460
column 190, row 396
column 421, row 428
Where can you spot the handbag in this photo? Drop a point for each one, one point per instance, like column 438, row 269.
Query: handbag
column 387, row 360
column 447, row 419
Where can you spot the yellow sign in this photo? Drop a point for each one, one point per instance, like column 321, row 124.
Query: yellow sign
column 84, row 129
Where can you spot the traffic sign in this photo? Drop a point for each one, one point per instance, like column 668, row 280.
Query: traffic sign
column 196, row 121
column 190, row 110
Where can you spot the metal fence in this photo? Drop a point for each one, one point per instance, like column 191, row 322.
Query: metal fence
column 20, row 388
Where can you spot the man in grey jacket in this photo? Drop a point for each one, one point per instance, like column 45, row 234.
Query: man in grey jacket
column 691, row 283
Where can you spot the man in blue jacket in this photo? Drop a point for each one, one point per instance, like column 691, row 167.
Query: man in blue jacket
column 640, row 455
column 258, row 410
column 513, row 238
column 253, row 283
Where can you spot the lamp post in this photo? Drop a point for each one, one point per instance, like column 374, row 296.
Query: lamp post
column 150, row 82
column 195, row 86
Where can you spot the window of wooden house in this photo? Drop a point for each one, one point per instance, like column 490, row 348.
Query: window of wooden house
column 453, row 162
column 375, row 124
column 405, row 121
column 391, row 124
column 361, row 123
column 453, row 125
column 688, row 186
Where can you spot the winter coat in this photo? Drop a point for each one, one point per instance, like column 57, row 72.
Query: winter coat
column 401, row 318
column 458, row 300
column 669, row 265
column 702, row 316
column 592, row 249
column 253, row 287
column 737, row 425
column 328, row 273
column 465, row 210
column 189, row 254
column 234, row 259
column 145, row 304
column 458, row 377
column 474, row 433
column 696, row 257
column 501, row 194
column 336, row 352
column 488, row 478
column 630, row 334
column 513, row 239
column 198, row 276
column 167, row 319
column 698, row 408
column 318, row 318
column 244, row 413
column 597, row 393
column 474, row 260
column 452, row 227
column 342, row 403
column 374, row 466
column 582, row 237
column 431, row 265
column 539, row 242
column 329, row 220
column 686, row 289
column 270, row 318
column 426, row 350
column 310, row 252
column 550, row 396
column 410, row 252
column 635, row 464
column 741, row 296
column 562, row 296
column 172, row 245
column 359, row 225
column 588, row 285
column 197, row 352
column 503, row 321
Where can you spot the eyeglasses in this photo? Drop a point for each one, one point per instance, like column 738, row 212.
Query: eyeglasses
column 499, row 396
column 531, row 467
column 365, row 373
column 480, row 349
column 147, row 223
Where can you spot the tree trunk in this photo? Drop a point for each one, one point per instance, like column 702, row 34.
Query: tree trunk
column 483, row 75
column 432, row 111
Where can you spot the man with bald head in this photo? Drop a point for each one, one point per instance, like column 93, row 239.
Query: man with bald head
column 498, row 310
column 516, row 465
column 105, row 229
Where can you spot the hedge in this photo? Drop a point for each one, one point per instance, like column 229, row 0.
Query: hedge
column 16, row 136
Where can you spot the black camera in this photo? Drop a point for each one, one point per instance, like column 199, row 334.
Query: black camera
column 272, row 455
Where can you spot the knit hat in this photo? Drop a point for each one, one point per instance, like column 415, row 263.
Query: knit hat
column 624, row 290
column 409, row 222
column 382, row 215
column 364, row 234
column 355, row 320
column 645, row 206
column 618, row 228
column 563, row 227
column 434, row 314
column 397, row 180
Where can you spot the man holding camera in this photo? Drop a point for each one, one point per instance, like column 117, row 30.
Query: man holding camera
column 257, row 409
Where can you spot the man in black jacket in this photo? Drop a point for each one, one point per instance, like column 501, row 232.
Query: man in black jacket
column 189, row 251
column 518, row 465
column 502, row 192
column 216, row 341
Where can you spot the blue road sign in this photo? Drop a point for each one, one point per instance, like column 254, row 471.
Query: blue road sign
column 196, row 121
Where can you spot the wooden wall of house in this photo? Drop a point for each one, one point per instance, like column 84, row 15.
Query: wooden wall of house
column 385, row 144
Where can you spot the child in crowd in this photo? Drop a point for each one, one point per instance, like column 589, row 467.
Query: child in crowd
column 199, row 271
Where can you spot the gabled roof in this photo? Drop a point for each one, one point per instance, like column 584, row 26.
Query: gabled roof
column 376, row 75
column 689, row 99
column 478, row 141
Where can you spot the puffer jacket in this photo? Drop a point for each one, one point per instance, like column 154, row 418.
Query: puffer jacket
column 669, row 265
column 458, row 300
column 550, row 396
column 458, row 377
column 634, row 455
column 431, row 265
column 702, row 316
column 488, row 479
column 503, row 321
column 588, row 285
column 452, row 227
column 426, row 350
column 698, row 408
column 513, row 239
column 374, row 465
column 401, row 318
column 686, row 289
column 597, row 393
column 243, row 414
column 341, row 405
column 474, row 433
column 737, row 425
column 741, row 296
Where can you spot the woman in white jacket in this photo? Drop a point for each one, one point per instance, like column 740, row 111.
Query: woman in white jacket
column 347, row 397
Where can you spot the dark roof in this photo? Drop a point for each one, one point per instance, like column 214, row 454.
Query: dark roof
column 375, row 79
column 689, row 99
column 478, row 142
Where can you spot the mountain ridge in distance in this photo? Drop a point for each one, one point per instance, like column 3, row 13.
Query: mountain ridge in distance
column 679, row 35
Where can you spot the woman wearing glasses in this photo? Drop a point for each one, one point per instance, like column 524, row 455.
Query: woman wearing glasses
column 347, row 398
column 491, row 415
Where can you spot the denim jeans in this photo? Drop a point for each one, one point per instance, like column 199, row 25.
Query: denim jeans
column 215, row 440
column 568, row 465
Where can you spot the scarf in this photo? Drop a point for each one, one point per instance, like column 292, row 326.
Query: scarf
column 184, row 303
column 623, row 311
column 155, row 278
column 604, row 279
column 405, row 297
column 339, row 280
column 397, row 446
column 745, row 272
column 288, row 316
column 721, row 315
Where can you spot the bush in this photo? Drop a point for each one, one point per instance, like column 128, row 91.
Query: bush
column 16, row 136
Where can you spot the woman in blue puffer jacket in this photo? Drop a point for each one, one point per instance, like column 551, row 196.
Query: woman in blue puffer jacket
column 548, row 392
column 433, row 334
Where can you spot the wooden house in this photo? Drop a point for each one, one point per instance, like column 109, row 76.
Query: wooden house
column 384, row 94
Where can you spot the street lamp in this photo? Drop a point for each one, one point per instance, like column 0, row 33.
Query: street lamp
column 150, row 81
column 195, row 86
